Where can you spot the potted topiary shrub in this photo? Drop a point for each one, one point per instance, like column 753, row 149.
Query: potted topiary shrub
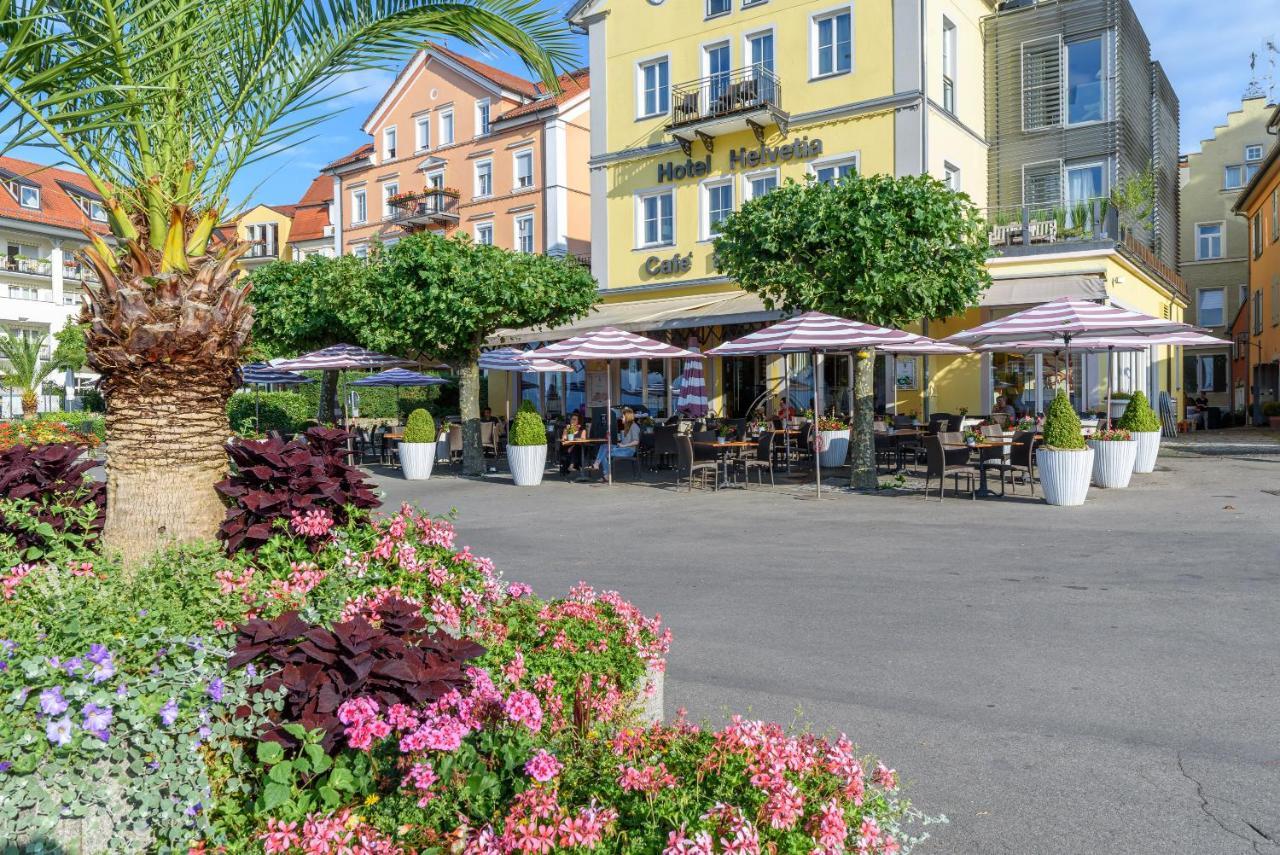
column 527, row 447
column 418, row 448
column 1271, row 409
column 1065, row 461
column 834, row 436
column 1114, row 452
column 1141, row 421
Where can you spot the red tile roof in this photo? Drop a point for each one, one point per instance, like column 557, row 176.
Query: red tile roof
column 57, row 208
column 509, row 81
column 571, row 84
column 312, row 211
column 359, row 154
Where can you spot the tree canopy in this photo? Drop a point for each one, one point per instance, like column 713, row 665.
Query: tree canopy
column 296, row 304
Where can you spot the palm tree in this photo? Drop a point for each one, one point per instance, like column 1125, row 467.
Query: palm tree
column 161, row 103
column 26, row 369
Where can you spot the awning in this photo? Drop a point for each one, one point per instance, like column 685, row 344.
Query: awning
column 660, row 313
column 1030, row 290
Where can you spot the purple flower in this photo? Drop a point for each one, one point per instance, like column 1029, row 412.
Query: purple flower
column 4, row 766
column 122, row 691
column 103, row 671
column 59, row 730
column 215, row 688
column 96, row 720
column 204, row 732
column 7, row 647
column 4, row 666
column 55, row 662
column 142, row 612
column 98, row 653
column 251, row 670
column 72, row 665
column 169, row 713
column 52, row 703
column 195, row 809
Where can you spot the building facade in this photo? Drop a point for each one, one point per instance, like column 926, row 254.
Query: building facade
column 1215, row 242
column 461, row 146
column 267, row 229
column 701, row 109
column 44, row 212
column 1259, row 206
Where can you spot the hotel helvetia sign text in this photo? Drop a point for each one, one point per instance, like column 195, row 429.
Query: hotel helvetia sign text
column 742, row 158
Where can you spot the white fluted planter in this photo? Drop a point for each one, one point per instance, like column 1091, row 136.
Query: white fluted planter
column 1148, row 449
column 1064, row 475
column 417, row 459
column 648, row 702
column 1113, row 462
column 527, row 463
column 835, row 447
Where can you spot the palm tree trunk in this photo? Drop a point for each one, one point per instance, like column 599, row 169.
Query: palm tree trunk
column 30, row 404
column 166, row 451
column 864, row 405
column 469, row 407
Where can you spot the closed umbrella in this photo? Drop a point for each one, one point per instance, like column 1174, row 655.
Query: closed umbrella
column 692, row 401
column 611, row 344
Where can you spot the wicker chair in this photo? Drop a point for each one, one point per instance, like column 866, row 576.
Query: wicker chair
column 688, row 467
column 761, row 462
column 937, row 466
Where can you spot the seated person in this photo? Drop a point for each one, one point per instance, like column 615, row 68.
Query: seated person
column 1003, row 406
column 784, row 410
column 571, row 456
column 486, row 415
column 626, row 444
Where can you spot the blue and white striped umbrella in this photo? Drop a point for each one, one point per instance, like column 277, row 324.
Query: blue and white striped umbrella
column 265, row 374
column 339, row 357
column 399, row 377
column 510, row 359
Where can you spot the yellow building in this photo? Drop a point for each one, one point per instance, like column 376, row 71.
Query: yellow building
column 698, row 110
column 267, row 228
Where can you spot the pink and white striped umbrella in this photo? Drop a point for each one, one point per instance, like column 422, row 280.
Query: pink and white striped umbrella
column 813, row 331
column 926, row 347
column 1066, row 320
column 340, row 357
column 1095, row 344
column 611, row 343
column 692, row 401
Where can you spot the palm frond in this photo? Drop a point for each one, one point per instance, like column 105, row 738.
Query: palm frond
column 24, row 368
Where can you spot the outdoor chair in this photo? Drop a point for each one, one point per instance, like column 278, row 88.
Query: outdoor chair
column 388, row 449
column 1020, row 460
column 664, row 447
column 903, row 422
column 937, row 466
column 938, row 422
column 364, row 445
column 955, row 423
column 703, row 452
column 889, row 451
column 804, row 443
column 455, row 443
column 688, row 467
column 761, row 462
column 489, row 438
column 954, row 456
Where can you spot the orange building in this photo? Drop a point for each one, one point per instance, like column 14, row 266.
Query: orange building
column 1259, row 204
column 460, row 145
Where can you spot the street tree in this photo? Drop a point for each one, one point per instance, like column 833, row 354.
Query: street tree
column 878, row 249
column 161, row 104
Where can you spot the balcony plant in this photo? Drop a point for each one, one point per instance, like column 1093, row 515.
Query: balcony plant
column 527, row 447
column 418, row 448
column 1142, row 421
column 1114, row 453
column 1065, row 460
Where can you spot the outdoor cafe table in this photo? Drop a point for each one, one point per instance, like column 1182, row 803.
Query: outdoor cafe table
column 571, row 443
column 982, row 470
column 723, row 448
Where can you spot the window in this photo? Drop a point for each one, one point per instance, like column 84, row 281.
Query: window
column 1086, row 101
column 832, row 43
column 1210, row 307
column 1042, row 184
column 655, row 87
column 360, row 250
column 1233, row 177
column 718, row 7
column 359, row 206
column 1256, row 311
column 657, row 219
column 484, row 178
column 1275, row 215
column 524, row 169
column 948, row 65
column 24, row 292
column 1085, row 182
column 71, row 299
column 482, row 117
column 28, row 197
column 435, row 180
column 423, row 125
column 1253, row 152
column 718, row 205
column 951, row 177
column 263, row 238
column 484, row 234
column 97, row 213
column 832, row 171
column 1257, row 234
column 761, row 183
column 389, row 144
column 1041, row 83
column 1205, row 373
column 1208, row 241
column 524, row 233
column 446, row 127
column 760, row 51
column 1275, row 300
column 389, row 189
column 716, row 65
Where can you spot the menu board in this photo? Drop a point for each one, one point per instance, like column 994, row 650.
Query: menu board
column 597, row 383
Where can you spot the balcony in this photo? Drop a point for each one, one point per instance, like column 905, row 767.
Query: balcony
column 78, row 272
column 21, row 264
column 432, row 206
column 261, row 252
column 745, row 99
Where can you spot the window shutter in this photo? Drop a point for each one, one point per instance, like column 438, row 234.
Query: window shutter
column 1042, row 83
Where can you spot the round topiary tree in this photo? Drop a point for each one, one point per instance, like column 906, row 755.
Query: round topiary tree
column 420, row 427
column 1138, row 416
column 527, row 427
column 1062, row 426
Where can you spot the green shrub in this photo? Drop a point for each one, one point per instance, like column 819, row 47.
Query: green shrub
column 87, row 423
column 527, row 427
column 1138, row 416
column 286, row 412
column 92, row 401
column 1271, row 408
column 1062, row 425
column 420, row 427
column 385, row 402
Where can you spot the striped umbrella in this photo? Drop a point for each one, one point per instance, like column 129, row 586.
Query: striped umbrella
column 692, row 400
column 266, row 374
column 400, row 377
column 610, row 343
column 1065, row 320
column 519, row 361
column 342, row 356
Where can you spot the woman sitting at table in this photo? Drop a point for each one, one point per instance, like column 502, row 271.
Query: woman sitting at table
column 626, row 445
column 572, row 455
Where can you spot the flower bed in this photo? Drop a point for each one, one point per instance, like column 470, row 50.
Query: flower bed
column 368, row 686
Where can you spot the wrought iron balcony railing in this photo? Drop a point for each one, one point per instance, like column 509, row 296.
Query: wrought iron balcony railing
column 433, row 204
column 733, row 93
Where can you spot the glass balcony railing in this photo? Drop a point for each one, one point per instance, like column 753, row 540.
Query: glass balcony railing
column 1054, row 223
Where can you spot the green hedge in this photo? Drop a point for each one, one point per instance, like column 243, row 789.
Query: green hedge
column 287, row 412
column 381, row 402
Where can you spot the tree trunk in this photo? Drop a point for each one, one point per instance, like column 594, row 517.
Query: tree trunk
column 863, row 458
column 469, row 407
column 30, row 404
column 328, row 412
column 166, row 451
